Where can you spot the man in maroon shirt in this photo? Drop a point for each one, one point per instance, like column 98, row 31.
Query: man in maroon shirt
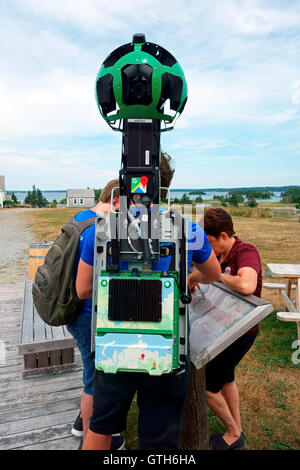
column 241, row 271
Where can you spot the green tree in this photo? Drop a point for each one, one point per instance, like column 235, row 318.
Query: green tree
column 235, row 196
column 251, row 202
column 292, row 195
column 8, row 203
column 97, row 194
column 185, row 199
column 233, row 199
column 14, row 198
column 35, row 198
column 41, row 201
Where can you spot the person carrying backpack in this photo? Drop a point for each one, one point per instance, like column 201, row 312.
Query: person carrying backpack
column 80, row 326
column 160, row 398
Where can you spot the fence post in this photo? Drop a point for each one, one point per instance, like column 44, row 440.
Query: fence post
column 194, row 428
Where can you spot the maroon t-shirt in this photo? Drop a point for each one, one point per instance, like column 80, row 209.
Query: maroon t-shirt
column 244, row 255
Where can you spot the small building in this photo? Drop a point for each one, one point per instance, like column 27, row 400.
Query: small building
column 3, row 195
column 80, row 198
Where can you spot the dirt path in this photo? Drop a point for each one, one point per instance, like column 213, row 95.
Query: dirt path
column 15, row 239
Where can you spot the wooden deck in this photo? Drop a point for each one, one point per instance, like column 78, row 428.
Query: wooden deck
column 35, row 412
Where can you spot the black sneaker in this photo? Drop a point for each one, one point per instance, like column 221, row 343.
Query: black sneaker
column 117, row 442
column 219, row 444
column 77, row 429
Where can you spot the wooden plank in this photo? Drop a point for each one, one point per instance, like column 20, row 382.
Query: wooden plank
column 48, row 331
column 47, row 345
column 17, row 441
column 67, row 355
column 37, row 385
column 273, row 285
column 25, row 401
column 43, row 359
column 298, row 296
column 11, row 291
column 30, row 361
column 66, row 332
column 49, row 370
column 288, row 316
column 55, row 357
column 30, row 424
column 58, row 332
column 27, row 316
column 40, row 410
column 285, row 270
column 39, row 330
column 287, row 301
column 67, row 443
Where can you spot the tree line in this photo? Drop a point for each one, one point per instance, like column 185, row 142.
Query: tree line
column 292, row 196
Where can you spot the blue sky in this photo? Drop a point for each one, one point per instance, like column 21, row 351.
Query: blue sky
column 241, row 59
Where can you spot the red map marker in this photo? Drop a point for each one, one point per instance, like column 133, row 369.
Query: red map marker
column 144, row 180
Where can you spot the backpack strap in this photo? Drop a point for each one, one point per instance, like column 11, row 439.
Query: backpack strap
column 169, row 250
column 79, row 226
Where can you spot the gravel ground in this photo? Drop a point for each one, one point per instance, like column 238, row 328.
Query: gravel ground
column 15, row 239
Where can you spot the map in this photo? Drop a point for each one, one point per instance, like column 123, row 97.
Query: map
column 135, row 352
column 218, row 317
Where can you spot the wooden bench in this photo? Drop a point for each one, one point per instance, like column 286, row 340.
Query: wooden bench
column 44, row 348
column 274, row 285
column 290, row 316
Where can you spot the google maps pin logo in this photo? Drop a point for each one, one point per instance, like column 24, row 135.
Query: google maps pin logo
column 144, row 180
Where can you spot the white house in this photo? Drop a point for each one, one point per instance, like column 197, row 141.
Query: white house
column 2, row 190
column 80, row 198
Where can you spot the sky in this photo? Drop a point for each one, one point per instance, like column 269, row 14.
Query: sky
column 241, row 59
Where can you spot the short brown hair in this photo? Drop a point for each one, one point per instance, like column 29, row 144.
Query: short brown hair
column 167, row 171
column 105, row 194
column 217, row 221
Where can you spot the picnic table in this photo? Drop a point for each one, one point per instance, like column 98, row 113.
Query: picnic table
column 291, row 274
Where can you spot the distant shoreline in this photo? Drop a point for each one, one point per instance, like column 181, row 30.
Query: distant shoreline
column 262, row 188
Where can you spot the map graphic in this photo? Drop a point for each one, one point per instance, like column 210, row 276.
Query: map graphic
column 135, row 352
column 139, row 185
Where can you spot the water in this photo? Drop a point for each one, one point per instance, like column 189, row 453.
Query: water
column 210, row 194
column 59, row 195
column 49, row 195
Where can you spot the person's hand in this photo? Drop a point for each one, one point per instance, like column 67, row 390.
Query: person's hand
column 193, row 285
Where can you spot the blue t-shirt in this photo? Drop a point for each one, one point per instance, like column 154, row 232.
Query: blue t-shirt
column 199, row 250
column 86, row 305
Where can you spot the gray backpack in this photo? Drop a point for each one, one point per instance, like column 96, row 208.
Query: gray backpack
column 53, row 291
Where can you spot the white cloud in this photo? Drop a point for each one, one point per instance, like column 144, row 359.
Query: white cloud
column 59, row 104
column 250, row 17
column 240, row 59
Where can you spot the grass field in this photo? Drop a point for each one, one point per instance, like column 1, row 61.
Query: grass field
column 268, row 380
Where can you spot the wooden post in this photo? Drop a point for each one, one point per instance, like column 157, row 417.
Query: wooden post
column 194, row 429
